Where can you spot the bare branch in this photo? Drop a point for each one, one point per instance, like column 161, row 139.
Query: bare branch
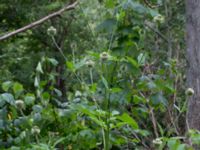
column 38, row 22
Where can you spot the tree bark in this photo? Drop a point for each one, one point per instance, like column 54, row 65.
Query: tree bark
column 193, row 58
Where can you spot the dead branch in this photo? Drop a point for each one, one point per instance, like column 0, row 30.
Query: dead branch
column 38, row 22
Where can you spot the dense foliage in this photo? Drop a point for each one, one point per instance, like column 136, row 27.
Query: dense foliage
column 107, row 75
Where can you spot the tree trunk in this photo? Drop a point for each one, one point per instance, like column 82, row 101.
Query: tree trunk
column 193, row 58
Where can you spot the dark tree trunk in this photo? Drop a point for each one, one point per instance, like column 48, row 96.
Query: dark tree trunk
column 193, row 58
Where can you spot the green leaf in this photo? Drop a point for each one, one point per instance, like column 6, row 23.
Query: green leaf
column 59, row 141
column 29, row 99
column 46, row 96
column 36, row 82
column 141, row 58
column 158, row 99
column 58, row 92
column 108, row 25
column 133, row 62
column 110, row 3
column 7, row 97
column 104, row 82
column 115, row 90
column 53, row 61
column 137, row 7
column 129, row 120
column 6, row 85
column 17, row 88
column 39, row 68
column 70, row 66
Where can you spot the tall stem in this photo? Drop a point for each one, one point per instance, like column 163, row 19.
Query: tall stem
column 107, row 108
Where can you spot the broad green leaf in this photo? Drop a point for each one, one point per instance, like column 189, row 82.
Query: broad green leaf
column 17, row 88
column 29, row 99
column 8, row 98
column 129, row 120
column 158, row 99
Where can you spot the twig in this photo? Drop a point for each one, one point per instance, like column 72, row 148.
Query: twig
column 153, row 119
column 156, row 31
column 151, row 5
column 38, row 22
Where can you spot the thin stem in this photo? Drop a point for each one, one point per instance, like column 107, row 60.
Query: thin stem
column 60, row 50
column 91, row 76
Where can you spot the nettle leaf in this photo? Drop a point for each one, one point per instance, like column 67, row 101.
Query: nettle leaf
column 7, row 85
column 128, row 120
